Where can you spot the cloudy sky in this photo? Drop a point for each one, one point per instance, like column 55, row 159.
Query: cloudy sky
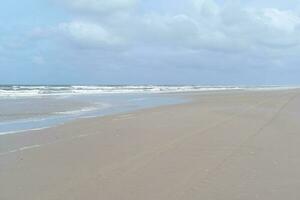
column 246, row 42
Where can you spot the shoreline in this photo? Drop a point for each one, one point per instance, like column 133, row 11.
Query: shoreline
column 189, row 98
column 91, row 106
column 177, row 97
column 205, row 148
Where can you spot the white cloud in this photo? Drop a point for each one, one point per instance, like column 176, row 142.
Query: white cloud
column 282, row 20
column 206, row 8
column 229, row 28
column 165, row 29
column 88, row 35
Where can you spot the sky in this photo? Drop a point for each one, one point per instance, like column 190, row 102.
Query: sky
column 200, row 42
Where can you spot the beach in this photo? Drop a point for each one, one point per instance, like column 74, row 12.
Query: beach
column 225, row 145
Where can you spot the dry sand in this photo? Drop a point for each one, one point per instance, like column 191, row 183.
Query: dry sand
column 227, row 146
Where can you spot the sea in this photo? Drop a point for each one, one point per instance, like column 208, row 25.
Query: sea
column 34, row 107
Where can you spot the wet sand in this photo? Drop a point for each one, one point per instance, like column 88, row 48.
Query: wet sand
column 222, row 145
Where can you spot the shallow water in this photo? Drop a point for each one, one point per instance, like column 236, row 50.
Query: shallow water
column 29, row 113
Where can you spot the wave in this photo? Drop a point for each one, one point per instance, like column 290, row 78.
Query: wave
column 84, row 110
column 39, row 91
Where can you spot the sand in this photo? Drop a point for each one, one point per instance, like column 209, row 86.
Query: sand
column 226, row 145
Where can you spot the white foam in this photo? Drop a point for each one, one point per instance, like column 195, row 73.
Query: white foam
column 79, row 111
column 22, row 131
column 40, row 91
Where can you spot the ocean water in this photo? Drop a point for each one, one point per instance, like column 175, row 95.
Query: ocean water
column 30, row 113
column 36, row 107
column 34, row 91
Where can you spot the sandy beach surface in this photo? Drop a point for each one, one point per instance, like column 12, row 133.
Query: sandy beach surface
column 235, row 145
